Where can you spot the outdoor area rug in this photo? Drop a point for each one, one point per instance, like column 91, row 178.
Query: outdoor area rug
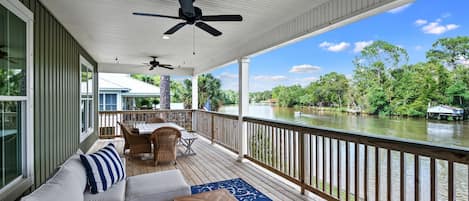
column 237, row 187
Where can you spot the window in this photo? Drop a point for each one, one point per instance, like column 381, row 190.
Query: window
column 16, row 90
column 107, row 102
column 86, row 101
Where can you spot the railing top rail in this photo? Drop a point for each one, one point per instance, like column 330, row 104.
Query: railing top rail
column 231, row 116
column 450, row 153
column 145, row 111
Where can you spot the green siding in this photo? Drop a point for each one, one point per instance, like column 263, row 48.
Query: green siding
column 56, row 93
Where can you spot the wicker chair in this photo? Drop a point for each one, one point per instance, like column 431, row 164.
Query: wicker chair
column 156, row 120
column 164, row 143
column 135, row 143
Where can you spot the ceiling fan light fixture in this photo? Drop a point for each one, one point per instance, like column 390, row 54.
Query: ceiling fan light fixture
column 166, row 37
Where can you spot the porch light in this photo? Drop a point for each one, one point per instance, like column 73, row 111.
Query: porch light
column 165, row 37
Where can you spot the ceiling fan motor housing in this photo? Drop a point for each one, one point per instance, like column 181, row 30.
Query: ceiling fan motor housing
column 187, row 7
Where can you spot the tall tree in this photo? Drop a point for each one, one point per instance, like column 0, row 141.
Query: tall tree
column 450, row 51
column 165, row 92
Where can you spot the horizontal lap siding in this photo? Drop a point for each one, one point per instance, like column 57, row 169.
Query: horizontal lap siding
column 56, row 93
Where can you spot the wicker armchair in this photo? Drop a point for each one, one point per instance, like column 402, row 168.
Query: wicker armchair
column 156, row 120
column 164, row 143
column 135, row 143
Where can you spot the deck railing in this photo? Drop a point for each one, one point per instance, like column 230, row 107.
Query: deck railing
column 108, row 127
column 342, row 165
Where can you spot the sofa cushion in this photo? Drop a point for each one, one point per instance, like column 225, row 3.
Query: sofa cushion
column 103, row 168
column 74, row 165
column 115, row 193
column 63, row 186
column 159, row 186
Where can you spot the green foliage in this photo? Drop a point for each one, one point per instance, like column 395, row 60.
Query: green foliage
column 229, row 97
column 450, row 51
column 287, row 96
column 257, row 97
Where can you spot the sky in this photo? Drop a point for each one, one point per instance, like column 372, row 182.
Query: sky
column 415, row 27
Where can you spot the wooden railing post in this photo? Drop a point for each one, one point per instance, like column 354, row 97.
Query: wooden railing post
column 213, row 128
column 302, row 161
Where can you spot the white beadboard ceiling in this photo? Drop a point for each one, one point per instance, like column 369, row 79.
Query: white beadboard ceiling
column 107, row 29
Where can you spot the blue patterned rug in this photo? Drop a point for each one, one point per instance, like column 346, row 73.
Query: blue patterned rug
column 237, row 187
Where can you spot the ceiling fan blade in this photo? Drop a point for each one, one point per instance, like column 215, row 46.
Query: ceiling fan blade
column 167, row 67
column 156, row 15
column 175, row 28
column 164, row 65
column 208, row 28
column 209, row 18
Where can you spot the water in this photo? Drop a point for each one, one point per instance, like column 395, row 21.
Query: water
column 449, row 133
column 438, row 132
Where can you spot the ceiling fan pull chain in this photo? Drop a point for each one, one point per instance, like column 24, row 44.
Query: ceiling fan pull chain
column 193, row 40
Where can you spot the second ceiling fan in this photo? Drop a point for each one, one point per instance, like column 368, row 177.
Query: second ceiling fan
column 193, row 15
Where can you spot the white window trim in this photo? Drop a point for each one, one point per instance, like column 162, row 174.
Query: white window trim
column 19, row 185
column 90, row 130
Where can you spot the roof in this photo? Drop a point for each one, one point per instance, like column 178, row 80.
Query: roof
column 126, row 84
column 109, row 30
column 445, row 109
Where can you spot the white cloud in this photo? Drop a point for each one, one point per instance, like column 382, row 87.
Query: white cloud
column 399, row 9
column 269, row 78
column 305, row 68
column 360, row 45
column 226, row 75
column 436, row 28
column 334, row 47
column 420, row 22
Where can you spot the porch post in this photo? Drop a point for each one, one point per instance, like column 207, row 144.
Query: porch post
column 195, row 100
column 195, row 92
column 243, row 86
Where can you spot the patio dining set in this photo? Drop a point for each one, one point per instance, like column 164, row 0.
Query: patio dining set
column 158, row 137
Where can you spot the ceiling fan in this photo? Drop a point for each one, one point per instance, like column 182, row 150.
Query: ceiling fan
column 193, row 15
column 155, row 64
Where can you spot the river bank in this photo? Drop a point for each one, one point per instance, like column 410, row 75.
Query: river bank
column 452, row 133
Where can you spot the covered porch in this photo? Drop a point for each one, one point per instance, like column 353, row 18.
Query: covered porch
column 286, row 161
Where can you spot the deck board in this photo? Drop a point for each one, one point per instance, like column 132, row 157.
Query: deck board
column 211, row 164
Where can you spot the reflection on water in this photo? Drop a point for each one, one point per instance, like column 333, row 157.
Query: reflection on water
column 434, row 131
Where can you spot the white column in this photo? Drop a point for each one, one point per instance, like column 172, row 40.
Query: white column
column 195, row 92
column 243, row 106
column 195, row 100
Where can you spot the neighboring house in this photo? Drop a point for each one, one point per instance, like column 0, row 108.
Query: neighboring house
column 118, row 91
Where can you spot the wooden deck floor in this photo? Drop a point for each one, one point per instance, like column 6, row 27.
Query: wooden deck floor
column 212, row 164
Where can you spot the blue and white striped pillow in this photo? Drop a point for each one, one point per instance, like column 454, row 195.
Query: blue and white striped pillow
column 103, row 168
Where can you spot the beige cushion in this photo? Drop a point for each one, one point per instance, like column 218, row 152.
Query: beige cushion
column 159, row 186
column 74, row 164
column 115, row 193
column 63, row 186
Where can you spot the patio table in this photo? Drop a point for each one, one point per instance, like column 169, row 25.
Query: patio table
column 187, row 138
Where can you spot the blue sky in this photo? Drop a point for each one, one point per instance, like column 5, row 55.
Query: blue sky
column 414, row 27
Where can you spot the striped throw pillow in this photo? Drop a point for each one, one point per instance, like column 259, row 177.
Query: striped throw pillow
column 103, row 168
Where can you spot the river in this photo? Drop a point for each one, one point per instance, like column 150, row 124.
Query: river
column 448, row 133
column 434, row 131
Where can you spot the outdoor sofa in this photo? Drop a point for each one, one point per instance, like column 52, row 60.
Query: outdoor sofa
column 70, row 184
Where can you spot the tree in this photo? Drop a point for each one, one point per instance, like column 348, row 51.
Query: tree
column 373, row 75
column 450, row 51
column 458, row 91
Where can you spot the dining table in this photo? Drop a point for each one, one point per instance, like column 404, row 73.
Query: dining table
column 187, row 137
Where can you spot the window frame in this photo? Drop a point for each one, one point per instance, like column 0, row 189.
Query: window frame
column 17, row 186
column 90, row 126
column 103, row 102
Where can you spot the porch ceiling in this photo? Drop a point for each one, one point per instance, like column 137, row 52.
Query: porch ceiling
column 107, row 29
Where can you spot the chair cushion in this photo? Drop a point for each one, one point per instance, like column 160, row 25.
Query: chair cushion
column 159, row 186
column 63, row 186
column 103, row 168
column 115, row 193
